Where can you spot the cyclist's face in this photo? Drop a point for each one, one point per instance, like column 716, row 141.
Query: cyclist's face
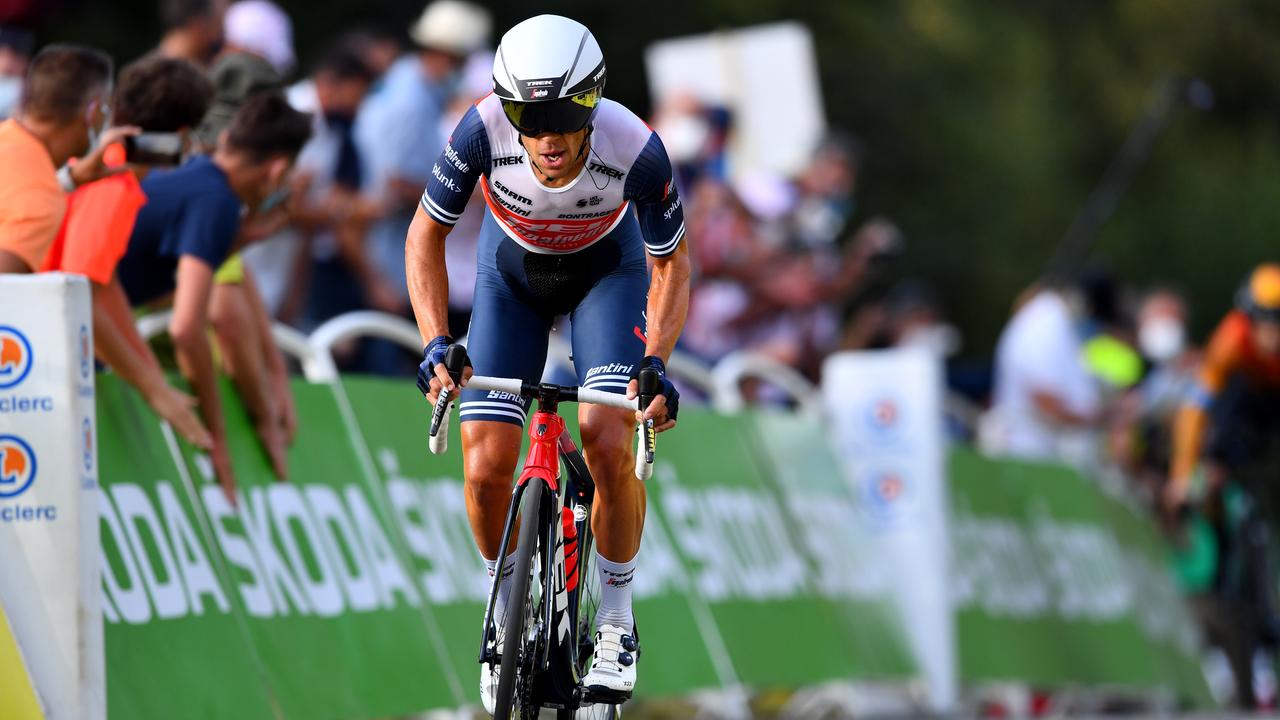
column 557, row 155
column 1266, row 335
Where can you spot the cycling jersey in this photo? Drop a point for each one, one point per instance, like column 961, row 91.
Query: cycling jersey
column 577, row 250
column 626, row 164
column 1231, row 355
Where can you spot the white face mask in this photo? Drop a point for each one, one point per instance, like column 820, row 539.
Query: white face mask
column 10, row 94
column 1161, row 338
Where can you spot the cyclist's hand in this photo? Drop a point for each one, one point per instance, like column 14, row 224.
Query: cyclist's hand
column 432, row 374
column 665, row 405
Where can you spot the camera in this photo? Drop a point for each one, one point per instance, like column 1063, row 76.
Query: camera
column 154, row 149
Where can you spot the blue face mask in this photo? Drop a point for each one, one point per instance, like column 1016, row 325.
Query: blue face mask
column 10, row 94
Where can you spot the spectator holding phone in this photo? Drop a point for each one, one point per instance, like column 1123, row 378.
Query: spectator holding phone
column 189, row 227
column 63, row 114
column 166, row 98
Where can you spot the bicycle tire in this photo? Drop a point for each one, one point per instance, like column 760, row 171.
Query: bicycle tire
column 514, row 623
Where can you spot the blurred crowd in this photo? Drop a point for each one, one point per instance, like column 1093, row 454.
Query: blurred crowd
column 1105, row 377
column 223, row 178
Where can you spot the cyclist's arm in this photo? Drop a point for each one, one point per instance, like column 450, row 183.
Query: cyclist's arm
column 427, row 276
column 453, row 176
column 1193, row 417
column 661, row 216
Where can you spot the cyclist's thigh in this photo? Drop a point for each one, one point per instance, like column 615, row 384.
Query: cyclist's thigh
column 507, row 339
column 608, row 326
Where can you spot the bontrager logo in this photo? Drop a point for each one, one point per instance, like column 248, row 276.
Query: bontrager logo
column 15, row 357
column 17, row 466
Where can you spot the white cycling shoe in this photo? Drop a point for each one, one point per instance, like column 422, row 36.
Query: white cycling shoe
column 489, row 684
column 613, row 669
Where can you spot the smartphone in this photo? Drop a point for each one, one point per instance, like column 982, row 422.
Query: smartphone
column 154, row 149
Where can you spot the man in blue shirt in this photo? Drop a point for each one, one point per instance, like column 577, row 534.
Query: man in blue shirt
column 188, row 228
column 398, row 126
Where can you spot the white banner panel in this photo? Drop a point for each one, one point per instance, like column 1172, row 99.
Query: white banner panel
column 49, row 568
column 887, row 420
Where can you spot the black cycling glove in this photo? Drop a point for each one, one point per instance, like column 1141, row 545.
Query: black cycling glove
column 667, row 389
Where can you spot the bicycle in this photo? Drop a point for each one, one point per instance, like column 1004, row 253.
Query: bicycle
column 545, row 647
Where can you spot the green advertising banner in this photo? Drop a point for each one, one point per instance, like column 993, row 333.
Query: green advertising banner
column 354, row 590
column 1056, row 584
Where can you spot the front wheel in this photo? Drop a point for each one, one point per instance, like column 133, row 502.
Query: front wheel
column 520, row 608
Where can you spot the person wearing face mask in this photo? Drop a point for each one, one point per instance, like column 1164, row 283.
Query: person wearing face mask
column 189, row 227
column 396, row 128
column 15, row 53
column 1227, row 432
column 164, row 96
column 63, row 114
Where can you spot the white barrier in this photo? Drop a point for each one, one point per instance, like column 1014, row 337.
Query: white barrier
column 50, row 561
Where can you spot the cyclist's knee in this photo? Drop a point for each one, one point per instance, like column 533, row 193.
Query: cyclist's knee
column 490, row 453
column 606, row 438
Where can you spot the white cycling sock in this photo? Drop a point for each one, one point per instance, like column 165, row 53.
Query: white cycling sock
column 615, row 592
column 504, row 587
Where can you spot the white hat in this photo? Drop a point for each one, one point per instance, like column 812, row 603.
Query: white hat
column 453, row 26
column 262, row 28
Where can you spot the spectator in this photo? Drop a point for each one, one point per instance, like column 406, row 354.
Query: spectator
column 160, row 95
column 62, row 114
column 1045, row 400
column 241, row 322
column 397, row 126
column 329, row 215
column 261, row 28
column 236, row 76
column 376, row 48
column 192, row 29
column 15, row 52
column 188, row 228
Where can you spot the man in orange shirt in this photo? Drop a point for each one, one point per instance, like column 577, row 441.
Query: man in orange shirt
column 63, row 111
column 161, row 95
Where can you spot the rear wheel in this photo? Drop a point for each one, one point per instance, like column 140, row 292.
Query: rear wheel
column 514, row 684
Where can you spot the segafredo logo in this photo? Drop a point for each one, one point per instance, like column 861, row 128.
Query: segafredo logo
column 17, row 466
column 15, row 357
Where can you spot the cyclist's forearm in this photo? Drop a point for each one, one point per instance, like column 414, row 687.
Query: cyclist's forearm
column 427, row 277
column 1188, row 434
column 668, row 302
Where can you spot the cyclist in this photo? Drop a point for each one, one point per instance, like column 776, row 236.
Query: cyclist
column 1236, row 406
column 560, row 168
column 1239, row 382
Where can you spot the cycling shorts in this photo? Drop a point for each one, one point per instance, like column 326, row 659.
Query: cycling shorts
column 603, row 289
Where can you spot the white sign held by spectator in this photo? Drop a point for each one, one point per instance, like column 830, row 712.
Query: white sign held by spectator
column 766, row 76
column 886, row 418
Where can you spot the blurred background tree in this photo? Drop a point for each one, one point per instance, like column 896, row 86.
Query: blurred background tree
column 985, row 125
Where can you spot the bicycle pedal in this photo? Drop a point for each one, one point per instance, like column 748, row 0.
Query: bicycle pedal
column 598, row 695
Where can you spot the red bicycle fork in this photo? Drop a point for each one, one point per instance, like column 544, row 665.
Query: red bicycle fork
column 546, row 431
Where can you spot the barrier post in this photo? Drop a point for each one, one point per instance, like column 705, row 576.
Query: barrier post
column 49, row 562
